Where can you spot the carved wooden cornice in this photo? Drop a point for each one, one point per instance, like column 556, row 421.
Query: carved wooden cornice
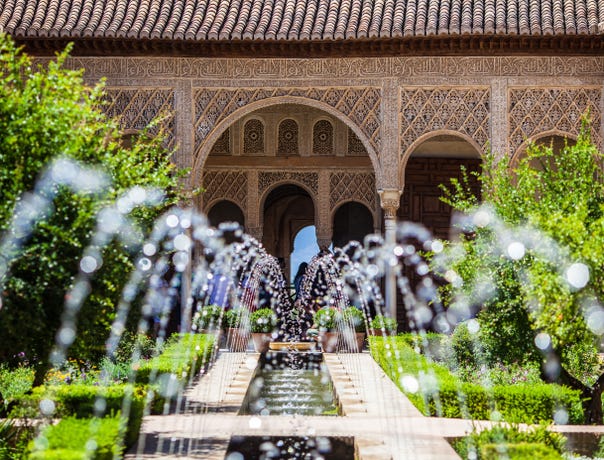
column 474, row 45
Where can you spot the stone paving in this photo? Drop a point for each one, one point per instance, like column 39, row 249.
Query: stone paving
column 384, row 423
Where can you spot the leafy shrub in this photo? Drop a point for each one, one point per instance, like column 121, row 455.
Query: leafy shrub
column 14, row 383
column 443, row 394
column 519, row 451
column 183, row 355
column 114, row 372
column 14, row 439
column 432, row 344
column 535, row 443
column 263, row 320
column 71, row 439
column 83, row 401
column 235, row 318
column 384, row 323
column 326, row 318
column 207, row 317
column 130, row 342
column 355, row 317
column 466, row 347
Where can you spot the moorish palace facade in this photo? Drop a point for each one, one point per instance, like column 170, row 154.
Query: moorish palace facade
column 343, row 114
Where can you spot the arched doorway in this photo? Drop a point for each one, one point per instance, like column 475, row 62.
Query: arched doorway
column 557, row 142
column 287, row 209
column 225, row 211
column 434, row 162
column 352, row 221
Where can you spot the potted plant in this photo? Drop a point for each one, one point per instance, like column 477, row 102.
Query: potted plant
column 207, row 319
column 237, row 329
column 325, row 321
column 383, row 325
column 263, row 323
column 354, row 321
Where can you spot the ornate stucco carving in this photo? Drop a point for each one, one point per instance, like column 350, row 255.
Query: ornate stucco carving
column 271, row 68
column 360, row 104
column 225, row 185
column 465, row 110
column 135, row 108
column 322, row 138
column 287, row 141
column 536, row 110
column 352, row 186
column 266, row 179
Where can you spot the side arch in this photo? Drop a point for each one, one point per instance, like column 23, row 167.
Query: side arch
column 426, row 137
column 202, row 152
column 351, row 220
column 535, row 138
column 290, row 181
column 374, row 214
column 224, row 210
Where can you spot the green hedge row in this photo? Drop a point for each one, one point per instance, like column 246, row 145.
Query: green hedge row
column 80, row 438
column 182, row 356
column 442, row 394
column 521, row 451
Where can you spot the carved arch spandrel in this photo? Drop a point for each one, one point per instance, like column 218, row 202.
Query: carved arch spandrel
column 345, row 187
column 217, row 108
column 534, row 112
column 135, row 108
column 225, row 185
column 458, row 110
column 270, row 180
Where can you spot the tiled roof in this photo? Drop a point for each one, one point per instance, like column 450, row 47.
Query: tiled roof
column 297, row 20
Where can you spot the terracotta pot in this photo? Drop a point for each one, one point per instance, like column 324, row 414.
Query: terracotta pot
column 237, row 339
column 261, row 341
column 329, row 341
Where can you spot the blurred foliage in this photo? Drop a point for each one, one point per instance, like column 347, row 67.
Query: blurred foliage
column 560, row 195
column 47, row 112
column 511, row 442
column 435, row 391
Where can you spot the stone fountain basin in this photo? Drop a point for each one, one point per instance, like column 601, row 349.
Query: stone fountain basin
column 299, row 346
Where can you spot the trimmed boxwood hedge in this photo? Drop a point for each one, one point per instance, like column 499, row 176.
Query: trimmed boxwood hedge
column 520, row 451
column 69, row 438
column 443, row 394
column 183, row 355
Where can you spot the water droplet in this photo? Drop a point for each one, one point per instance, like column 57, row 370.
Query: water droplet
column 91, row 445
column 47, row 406
column 182, row 242
column 561, row 416
column 473, row 326
column 137, row 195
column 181, row 260
column 66, row 336
column 595, row 321
column 88, row 264
column 516, row 250
column 482, row 218
column 410, row 383
column 235, row 456
column 255, row 423
column 543, row 341
column 577, row 275
column 172, row 221
column 437, row 246
column 149, row 249
column 144, row 264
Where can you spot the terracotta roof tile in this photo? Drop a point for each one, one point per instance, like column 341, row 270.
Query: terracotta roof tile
column 282, row 20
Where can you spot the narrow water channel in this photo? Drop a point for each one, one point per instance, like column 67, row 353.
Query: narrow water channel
column 290, row 383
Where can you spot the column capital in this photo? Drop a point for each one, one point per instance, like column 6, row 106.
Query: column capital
column 390, row 200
